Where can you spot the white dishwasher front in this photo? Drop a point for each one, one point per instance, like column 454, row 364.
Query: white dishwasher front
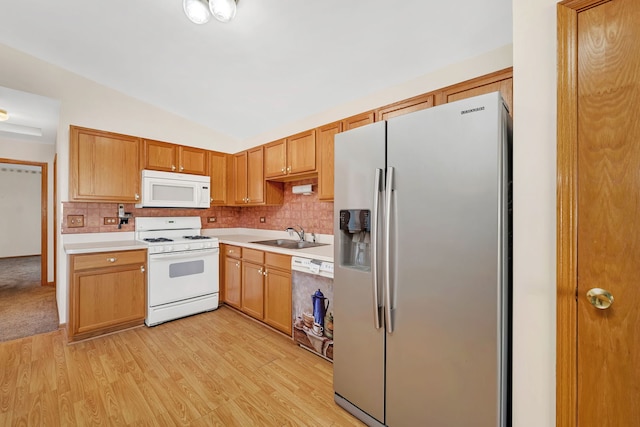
column 312, row 298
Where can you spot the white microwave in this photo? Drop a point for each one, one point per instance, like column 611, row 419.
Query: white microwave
column 174, row 190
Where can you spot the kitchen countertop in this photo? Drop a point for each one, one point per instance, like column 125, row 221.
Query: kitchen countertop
column 102, row 246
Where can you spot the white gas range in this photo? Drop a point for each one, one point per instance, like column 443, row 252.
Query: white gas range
column 183, row 267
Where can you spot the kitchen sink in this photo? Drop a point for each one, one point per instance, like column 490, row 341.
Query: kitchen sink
column 289, row 244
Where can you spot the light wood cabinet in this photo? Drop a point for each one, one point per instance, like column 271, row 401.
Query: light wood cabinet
column 250, row 187
column 107, row 292
column 104, row 166
column 406, row 106
column 231, row 275
column 358, row 120
column 277, row 292
column 499, row 81
column 164, row 156
column 218, row 171
column 291, row 158
column 325, row 140
column 259, row 284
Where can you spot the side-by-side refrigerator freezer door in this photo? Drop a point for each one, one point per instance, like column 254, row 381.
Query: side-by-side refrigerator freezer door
column 359, row 337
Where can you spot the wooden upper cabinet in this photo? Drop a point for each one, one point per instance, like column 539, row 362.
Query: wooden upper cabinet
column 358, row 120
column 249, row 185
column 275, row 159
column 218, row 164
column 193, row 160
column 104, row 166
column 164, row 156
column 255, row 175
column 292, row 157
column 499, row 81
column 240, row 178
column 410, row 105
column 325, row 140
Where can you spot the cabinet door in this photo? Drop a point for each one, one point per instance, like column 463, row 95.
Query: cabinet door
column 232, row 282
column 160, row 156
column 255, row 175
column 325, row 135
column 193, row 160
column 301, row 152
column 499, row 81
column 358, row 120
column 218, row 174
column 104, row 166
column 103, row 299
column 404, row 107
column 240, row 177
column 277, row 300
column 275, row 159
column 253, row 289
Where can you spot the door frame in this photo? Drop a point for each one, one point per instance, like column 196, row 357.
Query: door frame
column 567, row 211
column 44, row 243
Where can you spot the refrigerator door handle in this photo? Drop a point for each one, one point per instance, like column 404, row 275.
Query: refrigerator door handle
column 387, row 250
column 377, row 188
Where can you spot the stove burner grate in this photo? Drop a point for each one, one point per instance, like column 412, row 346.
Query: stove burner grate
column 196, row 237
column 157, row 239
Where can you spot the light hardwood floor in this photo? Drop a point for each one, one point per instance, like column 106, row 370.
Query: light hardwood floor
column 213, row 369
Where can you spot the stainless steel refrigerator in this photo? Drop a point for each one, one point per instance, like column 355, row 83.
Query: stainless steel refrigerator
column 423, row 267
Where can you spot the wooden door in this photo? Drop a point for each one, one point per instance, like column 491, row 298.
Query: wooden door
column 301, row 152
column 240, row 178
column 277, row 300
column 253, row 289
column 598, row 206
column 218, row 173
column 255, row 175
column 275, row 159
column 193, row 160
column 160, row 156
column 232, row 282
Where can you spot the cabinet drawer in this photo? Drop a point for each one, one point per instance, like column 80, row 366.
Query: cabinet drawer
column 253, row 255
column 108, row 259
column 233, row 251
column 278, row 260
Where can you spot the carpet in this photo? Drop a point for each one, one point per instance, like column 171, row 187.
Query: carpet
column 26, row 308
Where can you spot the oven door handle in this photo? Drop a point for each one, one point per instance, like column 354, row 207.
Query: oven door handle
column 183, row 254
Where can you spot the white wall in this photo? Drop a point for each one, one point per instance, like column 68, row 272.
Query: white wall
column 41, row 153
column 534, row 63
column 19, row 210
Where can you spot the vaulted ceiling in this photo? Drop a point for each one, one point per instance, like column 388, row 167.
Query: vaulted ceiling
column 277, row 62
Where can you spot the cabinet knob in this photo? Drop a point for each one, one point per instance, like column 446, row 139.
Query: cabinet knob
column 260, row 271
column 238, row 264
column 142, row 269
column 137, row 196
column 173, row 167
column 282, row 170
column 288, row 168
column 265, row 272
column 211, row 199
column 181, row 168
column 112, row 259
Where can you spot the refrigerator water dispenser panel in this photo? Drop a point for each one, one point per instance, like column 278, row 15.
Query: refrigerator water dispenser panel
column 355, row 239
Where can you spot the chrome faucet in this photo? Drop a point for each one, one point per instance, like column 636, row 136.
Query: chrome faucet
column 300, row 233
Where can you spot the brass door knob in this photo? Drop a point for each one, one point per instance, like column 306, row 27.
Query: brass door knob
column 600, row 298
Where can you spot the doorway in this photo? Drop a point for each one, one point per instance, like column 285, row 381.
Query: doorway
column 598, row 364
column 22, row 170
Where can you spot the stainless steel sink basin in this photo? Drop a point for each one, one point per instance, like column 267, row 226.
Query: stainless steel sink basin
column 289, row 244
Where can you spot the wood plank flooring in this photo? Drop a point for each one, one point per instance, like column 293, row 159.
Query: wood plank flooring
column 213, row 369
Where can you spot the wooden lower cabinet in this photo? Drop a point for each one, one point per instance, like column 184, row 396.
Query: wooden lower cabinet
column 107, row 292
column 259, row 284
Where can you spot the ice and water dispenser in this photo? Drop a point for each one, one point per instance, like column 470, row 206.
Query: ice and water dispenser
column 355, row 238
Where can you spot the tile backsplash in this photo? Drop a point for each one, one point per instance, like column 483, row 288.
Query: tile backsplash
column 307, row 211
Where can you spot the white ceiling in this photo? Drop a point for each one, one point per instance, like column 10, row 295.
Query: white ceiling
column 277, row 62
column 28, row 114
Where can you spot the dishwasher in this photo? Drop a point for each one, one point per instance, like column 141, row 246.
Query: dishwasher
column 312, row 299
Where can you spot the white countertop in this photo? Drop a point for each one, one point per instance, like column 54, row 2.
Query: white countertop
column 89, row 247
column 106, row 242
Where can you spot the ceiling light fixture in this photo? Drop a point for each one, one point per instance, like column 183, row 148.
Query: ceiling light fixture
column 200, row 11
column 4, row 116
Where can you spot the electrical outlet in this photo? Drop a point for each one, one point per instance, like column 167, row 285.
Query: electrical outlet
column 110, row 220
column 211, row 219
column 263, row 219
column 74, row 221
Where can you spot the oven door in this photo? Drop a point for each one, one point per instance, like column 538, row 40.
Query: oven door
column 183, row 275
